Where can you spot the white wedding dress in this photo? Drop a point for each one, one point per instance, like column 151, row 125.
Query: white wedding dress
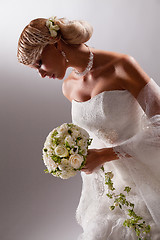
column 116, row 119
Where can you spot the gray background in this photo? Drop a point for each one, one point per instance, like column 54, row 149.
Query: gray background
column 35, row 205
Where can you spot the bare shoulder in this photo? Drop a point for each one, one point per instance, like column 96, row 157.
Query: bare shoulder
column 133, row 77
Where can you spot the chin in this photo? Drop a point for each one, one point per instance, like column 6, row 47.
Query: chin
column 61, row 76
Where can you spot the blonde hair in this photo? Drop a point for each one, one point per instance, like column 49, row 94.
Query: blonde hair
column 36, row 36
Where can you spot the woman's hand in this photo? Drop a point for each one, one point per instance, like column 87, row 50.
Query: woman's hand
column 93, row 160
column 97, row 157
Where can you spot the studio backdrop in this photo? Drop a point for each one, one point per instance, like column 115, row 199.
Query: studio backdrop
column 35, row 205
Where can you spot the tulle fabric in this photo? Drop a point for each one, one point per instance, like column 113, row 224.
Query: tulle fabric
column 144, row 149
column 131, row 126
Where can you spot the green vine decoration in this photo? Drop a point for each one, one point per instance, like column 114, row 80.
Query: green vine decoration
column 119, row 200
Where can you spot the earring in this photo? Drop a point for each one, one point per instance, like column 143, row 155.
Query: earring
column 64, row 55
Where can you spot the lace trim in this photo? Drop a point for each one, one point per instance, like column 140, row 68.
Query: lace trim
column 120, row 152
column 99, row 183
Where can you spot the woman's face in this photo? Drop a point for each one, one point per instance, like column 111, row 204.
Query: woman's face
column 51, row 63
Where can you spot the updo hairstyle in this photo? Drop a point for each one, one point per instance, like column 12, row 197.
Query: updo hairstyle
column 36, row 36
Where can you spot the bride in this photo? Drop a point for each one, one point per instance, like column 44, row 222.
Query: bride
column 119, row 105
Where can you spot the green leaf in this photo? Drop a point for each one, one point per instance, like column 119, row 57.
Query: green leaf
column 54, row 133
column 102, row 168
column 127, row 189
column 57, row 170
column 67, row 145
column 120, row 206
column 112, row 208
column 70, row 131
column 137, row 232
column 109, row 195
column 70, row 125
column 56, row 141
column 89, row 141
column 56, row 159
column 147, row 229
column 79, row 138
column 131, row 205
column 134, row 221
column 122, row 195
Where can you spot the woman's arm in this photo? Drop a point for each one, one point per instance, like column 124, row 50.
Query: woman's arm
column 135, row 80
column 132, row 76
column 97, row 157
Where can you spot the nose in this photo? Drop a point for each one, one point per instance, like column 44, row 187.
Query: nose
column 42, row 73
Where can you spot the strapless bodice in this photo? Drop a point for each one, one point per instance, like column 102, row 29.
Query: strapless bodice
column 112, row 116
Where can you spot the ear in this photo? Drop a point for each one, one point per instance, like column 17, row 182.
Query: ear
column 58, row 45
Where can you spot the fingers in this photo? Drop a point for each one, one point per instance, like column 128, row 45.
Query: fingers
column 86, row 170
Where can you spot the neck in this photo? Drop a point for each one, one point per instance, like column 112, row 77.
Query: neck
column 77, row 55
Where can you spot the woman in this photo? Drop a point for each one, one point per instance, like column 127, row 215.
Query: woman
column 119, row 105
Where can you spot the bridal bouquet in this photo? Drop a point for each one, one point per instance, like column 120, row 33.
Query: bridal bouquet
column 65, row 150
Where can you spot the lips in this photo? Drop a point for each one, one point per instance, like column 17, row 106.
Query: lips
column 53, row 76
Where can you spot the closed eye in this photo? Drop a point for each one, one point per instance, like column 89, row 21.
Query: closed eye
column 39, row 63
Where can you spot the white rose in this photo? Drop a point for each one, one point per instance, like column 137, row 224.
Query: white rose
column 50, row 152
column 76, row 160
column 75, row 134
column 48, row 142
column 50, row 164
column 65, row 174
column 81, row 143
column 70, row 141
column 84, row 133
column 61, row 151
column 65, row 161
column 63, row 128
column 65, row 165
column 62, row 168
